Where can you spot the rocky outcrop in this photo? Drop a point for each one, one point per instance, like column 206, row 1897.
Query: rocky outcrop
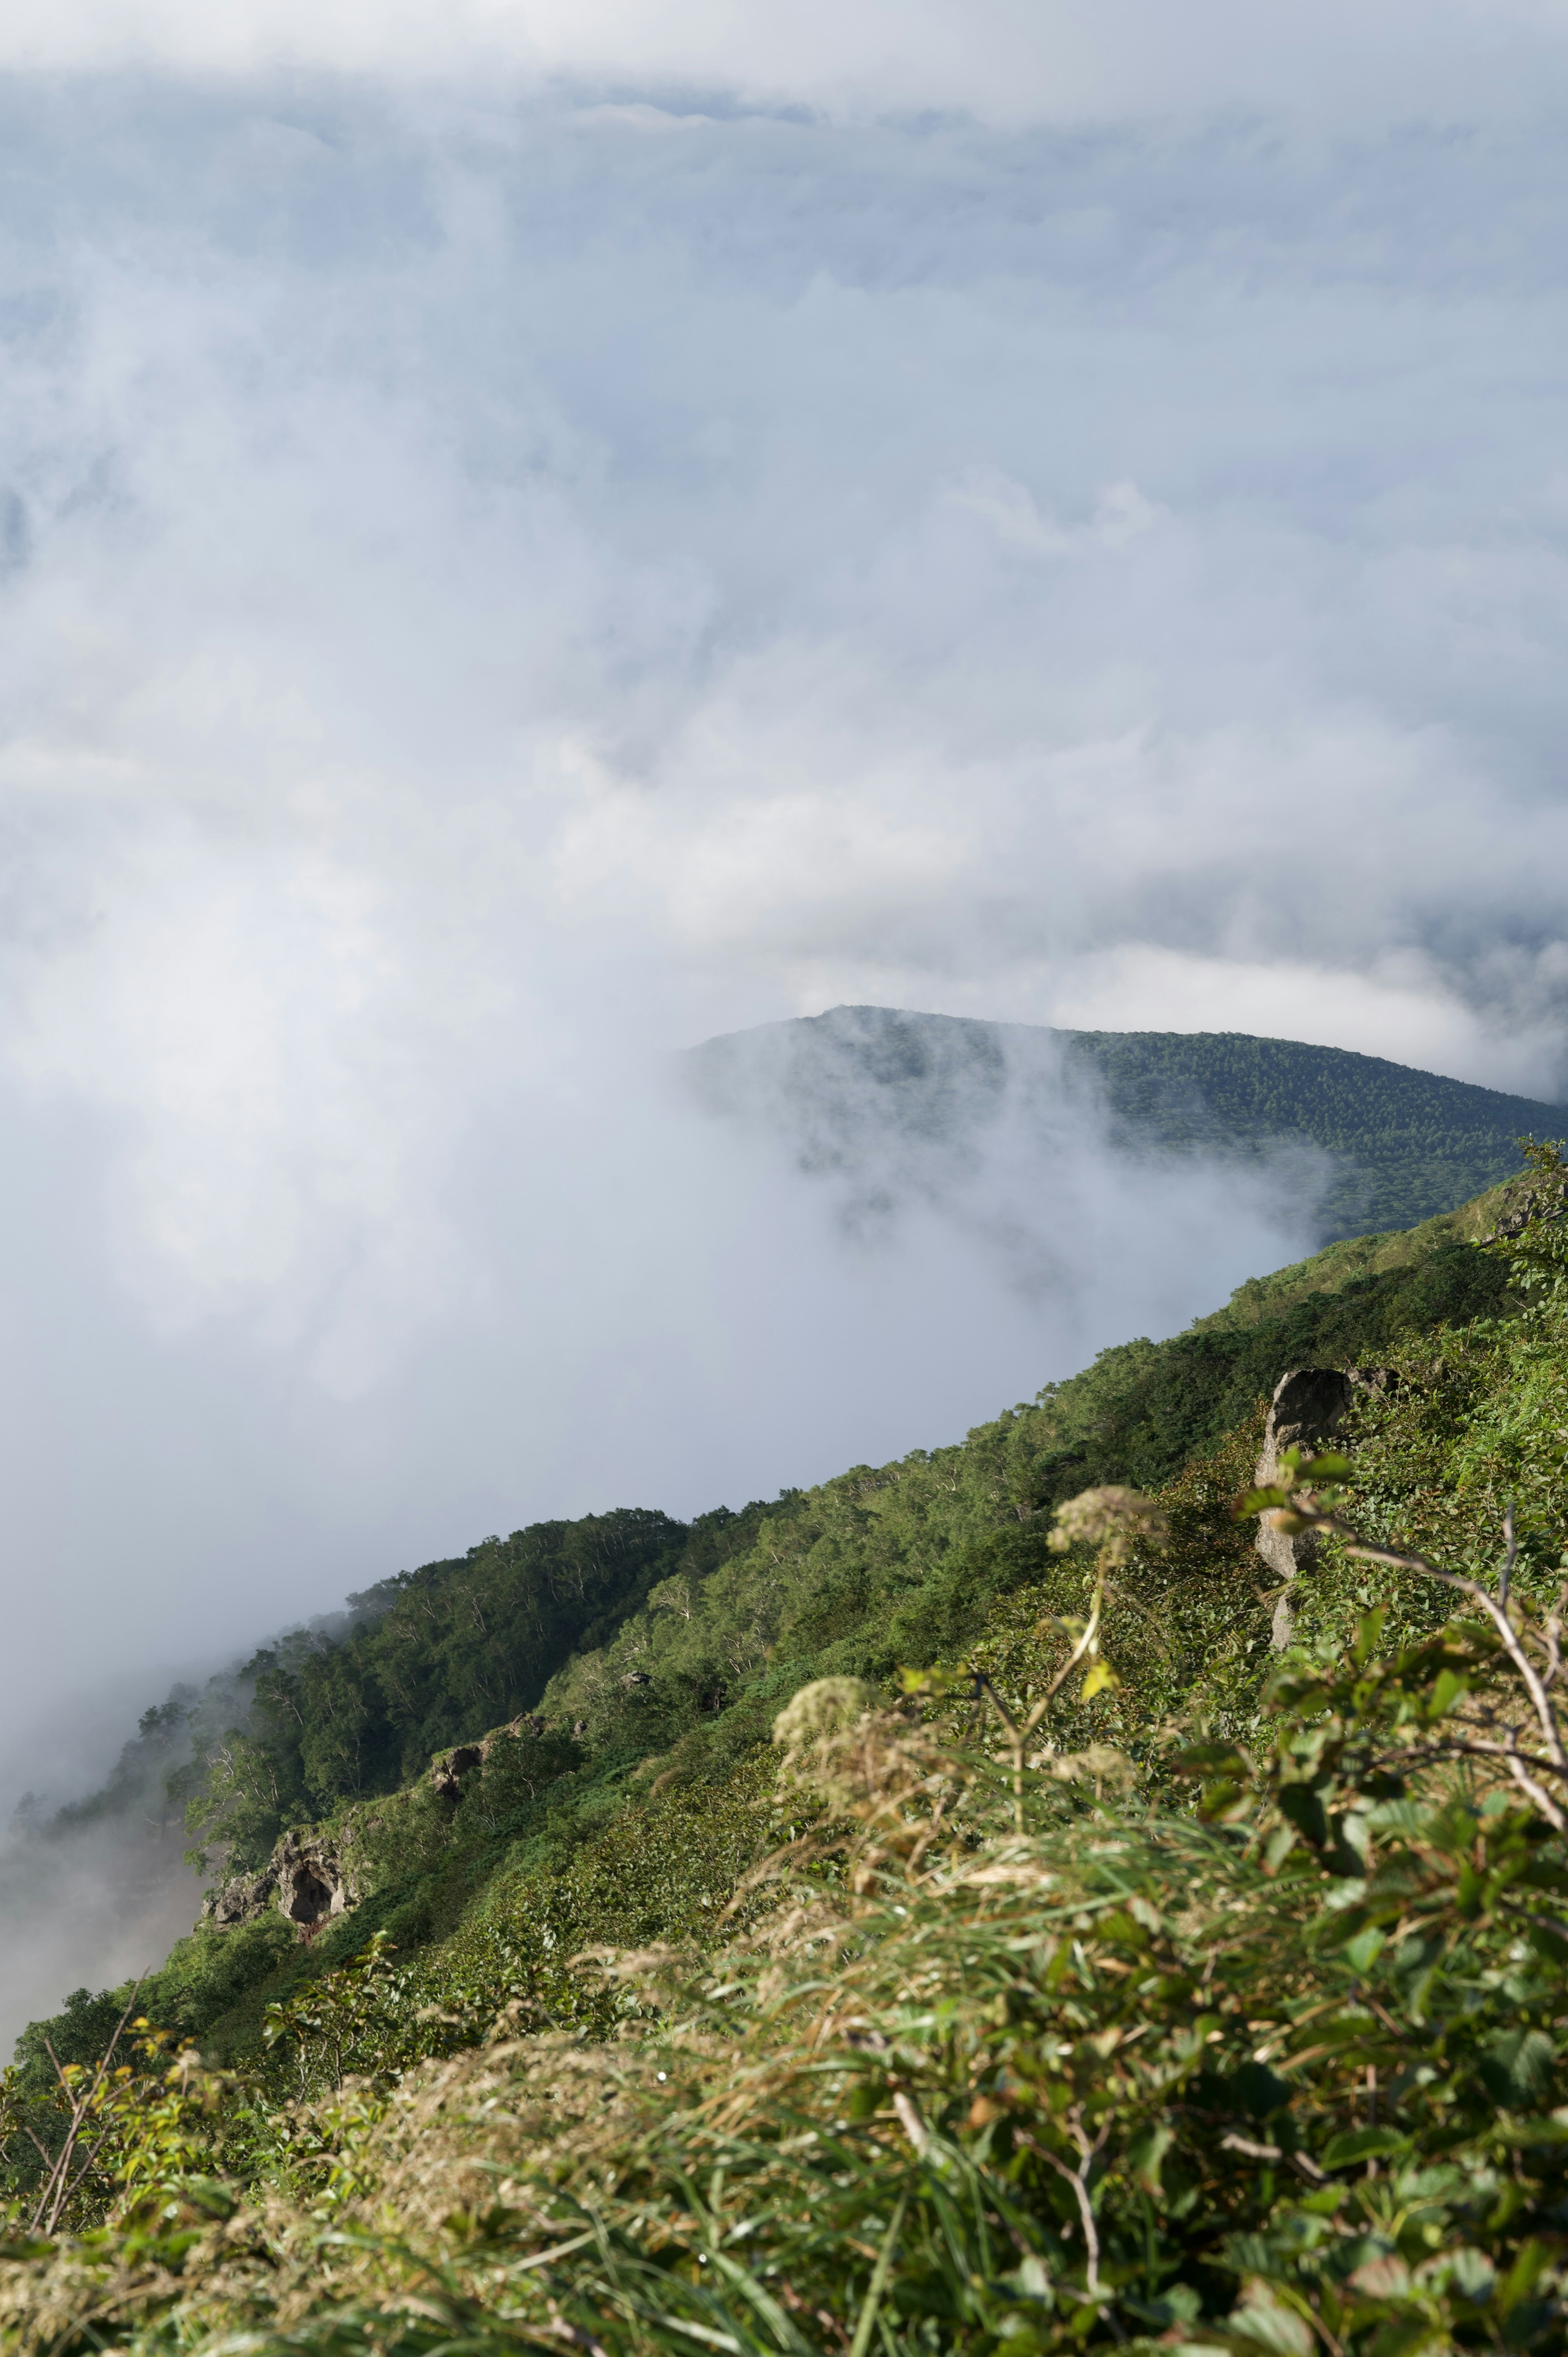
column 239, row 1900
column 447, row 1771
column 311, row 1876
column 1545, row 1204
column 1309, row 1411
column 448, row 1768
column 306, row 1879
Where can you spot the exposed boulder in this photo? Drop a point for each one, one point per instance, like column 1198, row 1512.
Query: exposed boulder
column 306, row 1879
column 311, row 1885
column 239, row 1900
column 1310, row 1410
column 448, row 1768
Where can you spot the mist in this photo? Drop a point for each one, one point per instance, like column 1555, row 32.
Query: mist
column 527, row 543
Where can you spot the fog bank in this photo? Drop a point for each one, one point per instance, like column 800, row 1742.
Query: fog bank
column 529, row 542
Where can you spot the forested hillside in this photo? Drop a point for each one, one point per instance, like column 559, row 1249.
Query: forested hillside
column 923, row 1914
column 1401, row 1146
column 720, row 1617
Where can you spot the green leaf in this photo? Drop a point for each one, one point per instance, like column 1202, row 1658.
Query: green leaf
column 1521, row 2279
column 1369, row 1631
column 1445, row 1693
column 1301, row 1805
column 1146, row 2152
column 935, row 1683
column 1549, row 1942
column 1384, row 2277
column 1364, row 1949
column 1262, row 2321
column 1361, row 2144
column 1210, row 1760
column 1518, row 2069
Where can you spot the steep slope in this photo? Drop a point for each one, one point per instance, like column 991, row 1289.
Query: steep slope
column 647, row 1650
column 860, row 1087
column 1207, row 2010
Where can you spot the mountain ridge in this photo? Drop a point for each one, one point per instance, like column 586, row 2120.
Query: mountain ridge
column 852, row 1084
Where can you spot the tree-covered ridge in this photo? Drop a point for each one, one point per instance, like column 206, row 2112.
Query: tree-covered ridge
column 653, row 1635
column 1402, row 1144
column 344, row 1713
column 1342, row 1264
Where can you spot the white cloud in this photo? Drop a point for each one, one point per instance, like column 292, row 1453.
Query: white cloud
column 1007, row 60
column 504, row 579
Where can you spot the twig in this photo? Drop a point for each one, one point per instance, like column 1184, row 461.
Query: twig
column 1546, row 1717
column 1019, row 1733
column 1078, row 2179
column 59, row 2185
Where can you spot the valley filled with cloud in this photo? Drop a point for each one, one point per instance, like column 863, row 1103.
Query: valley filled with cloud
column 529, row 540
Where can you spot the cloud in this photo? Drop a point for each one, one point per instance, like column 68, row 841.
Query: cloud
column 1005, row 61
column 504, row 576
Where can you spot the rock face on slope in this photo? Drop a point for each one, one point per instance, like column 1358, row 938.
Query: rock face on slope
column 448, row 1768
column 311, row 1876
column 1308, row 1411
column 306, row 1879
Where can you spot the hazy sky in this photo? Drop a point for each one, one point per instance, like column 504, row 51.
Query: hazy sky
column 531, row 536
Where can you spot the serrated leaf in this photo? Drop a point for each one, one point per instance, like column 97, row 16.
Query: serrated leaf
column 1264, row 2322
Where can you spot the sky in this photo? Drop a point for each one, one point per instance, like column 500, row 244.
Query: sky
column 529, row 537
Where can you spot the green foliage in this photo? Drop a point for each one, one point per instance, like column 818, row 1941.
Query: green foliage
column 710, row 1627
column 1122, row 1984
column 1407, row 1145
column 1128, row 2078
column 924, row 1561
column 427, row 1659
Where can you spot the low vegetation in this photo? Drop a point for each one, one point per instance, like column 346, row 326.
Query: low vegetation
column 934, row 1920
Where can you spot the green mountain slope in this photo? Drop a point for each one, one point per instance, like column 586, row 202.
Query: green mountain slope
column 636, row 1640
column 1211, row 2011
column 859, row 1083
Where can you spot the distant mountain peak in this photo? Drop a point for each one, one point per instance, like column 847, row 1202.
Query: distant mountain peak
column 850, row 1084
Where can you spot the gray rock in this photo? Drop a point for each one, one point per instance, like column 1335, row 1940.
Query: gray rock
column 305, row 1878
column 448, row 1770
column 1308, row 1411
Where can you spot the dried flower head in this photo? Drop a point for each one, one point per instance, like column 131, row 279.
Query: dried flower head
column 827, row 1706
column 1113, row 1519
